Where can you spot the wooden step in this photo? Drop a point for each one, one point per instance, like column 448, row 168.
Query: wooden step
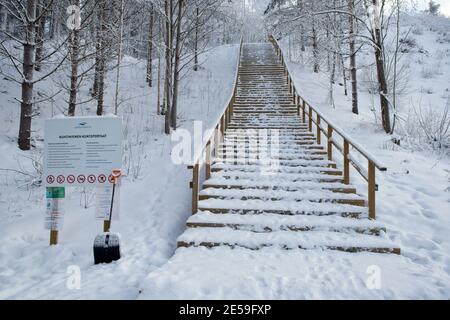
column 355, row 242
column 267, row 222
column 216, row 167
column 267, row 185
column 279, row 195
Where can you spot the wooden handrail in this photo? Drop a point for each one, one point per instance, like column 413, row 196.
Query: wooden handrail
column 212, row 142
column 316, row 117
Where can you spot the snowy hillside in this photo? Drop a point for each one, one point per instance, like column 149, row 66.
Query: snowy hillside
column 155, row 195
column 297, row 231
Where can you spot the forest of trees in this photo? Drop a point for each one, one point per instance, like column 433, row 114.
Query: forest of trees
column 86, row 39
column 337, row 31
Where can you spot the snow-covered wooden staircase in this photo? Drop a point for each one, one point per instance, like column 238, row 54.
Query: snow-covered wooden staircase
column 270, row 183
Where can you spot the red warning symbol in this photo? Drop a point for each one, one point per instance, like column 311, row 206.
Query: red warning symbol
column 91, row 178
column 71, row 179
column 50, row 179
column 101, row 178
column 81, row 178
column 60, row 179
column 111, row 178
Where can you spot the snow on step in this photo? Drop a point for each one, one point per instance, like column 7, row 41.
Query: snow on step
column 277, row 164
column 271, row 222
column 276, row 177
column 285, row 239
column 281, row 169
column 302, row 185
column 292, row 198
column 291, row 195
column 283, row 207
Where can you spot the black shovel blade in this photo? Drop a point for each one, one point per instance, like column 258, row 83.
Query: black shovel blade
column 106, row 248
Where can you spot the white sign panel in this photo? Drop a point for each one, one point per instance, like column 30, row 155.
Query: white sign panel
column 54, row 217
column 81, row 150
column 103, row 197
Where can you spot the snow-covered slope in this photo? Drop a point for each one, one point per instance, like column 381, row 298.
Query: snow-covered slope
column 413, row 201
column 155, row 194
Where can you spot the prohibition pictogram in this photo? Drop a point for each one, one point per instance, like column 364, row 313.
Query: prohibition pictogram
column 91, row 178
column 101, row 178
column 50, row 179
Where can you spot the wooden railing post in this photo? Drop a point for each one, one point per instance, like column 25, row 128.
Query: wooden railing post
column 195, row 179
column 330, row 142
column 208, row 160
column 304, row 111
column 318, row 132
column 310, row 118
column 372, row 189
column 346, row 162
column 222, row 124
column 216, row 140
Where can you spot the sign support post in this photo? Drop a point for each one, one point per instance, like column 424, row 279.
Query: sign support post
column 115, row 176
column 55, row 213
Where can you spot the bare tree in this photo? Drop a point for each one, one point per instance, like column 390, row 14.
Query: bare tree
column 24, row 65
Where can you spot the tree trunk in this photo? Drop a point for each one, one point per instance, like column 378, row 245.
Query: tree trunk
column 168, row 73
column 4, row 17
column 74, row 56
column 196, row 40
column 119, row 59
column 315, row 45
column 344, row 75
column 158, row 98
column 383, row 89
column 40, row 28
column 102, row 58
column 150, row 49
column 26, row 107
column 176, row 67
column 351, row 9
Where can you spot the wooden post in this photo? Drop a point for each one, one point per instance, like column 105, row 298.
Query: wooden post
column 330, row 143
column 371, row 191
column 319, row 132
column 346, row 163
column 195, row 188
column 216, row 140
column 54, row 195
column 310, row 118
column 53, row 237
column 225, row 121
column 304, row 111
column 208, row 160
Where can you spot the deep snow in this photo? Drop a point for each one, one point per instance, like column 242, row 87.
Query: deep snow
column 413, row 202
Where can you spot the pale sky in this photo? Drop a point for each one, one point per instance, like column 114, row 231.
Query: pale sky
column 445, row 6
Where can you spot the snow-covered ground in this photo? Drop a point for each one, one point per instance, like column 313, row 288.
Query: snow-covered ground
column 155, row 195
column 413, row 202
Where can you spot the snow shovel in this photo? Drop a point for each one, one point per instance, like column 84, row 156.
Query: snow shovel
column 107, row 244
